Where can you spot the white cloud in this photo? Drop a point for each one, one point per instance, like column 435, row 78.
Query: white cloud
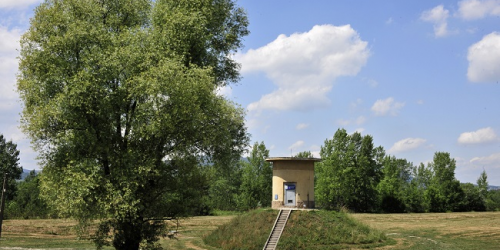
column 302, row 126
column 475, row 9
column 315, row 149
column 360, row 120
column 407, row 144
column 226, row 91
column 296, row 145
column 343, row 122
column 438, row 16
column 305, row 65
column 9, row 46
column 484, row 59
column 9, row 4
column 387, row 107
column 484, row 135
column 492, row 160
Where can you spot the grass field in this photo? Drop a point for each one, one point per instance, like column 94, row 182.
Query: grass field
column 410, row 231
column 469, row 231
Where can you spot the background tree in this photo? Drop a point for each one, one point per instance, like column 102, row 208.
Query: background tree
column 27, row 203
column 472, row 200
column 414, row 198
column 257, row 177
column 349, row 172
column 9, row 163
column 444, row 193
column 120, row 99
column 304, row 154
column 395, row 181
column 224, row 185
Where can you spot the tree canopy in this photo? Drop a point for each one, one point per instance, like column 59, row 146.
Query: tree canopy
column 120, row 100
column 9, row 164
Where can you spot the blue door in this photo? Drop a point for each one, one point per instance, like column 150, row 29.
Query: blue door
column 290, row 195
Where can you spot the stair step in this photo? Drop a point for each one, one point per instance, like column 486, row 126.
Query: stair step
column 275, row 234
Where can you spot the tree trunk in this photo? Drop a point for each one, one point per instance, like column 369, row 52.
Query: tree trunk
column 127, row 235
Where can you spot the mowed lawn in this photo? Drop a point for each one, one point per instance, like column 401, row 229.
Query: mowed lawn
column 411, row 231
column 473, row 230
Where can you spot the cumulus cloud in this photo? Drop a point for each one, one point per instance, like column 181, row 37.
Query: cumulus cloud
column 296, row 146
column 305, row 65
column 484, row 135
column 9, row 46
column 438, row 16
column 475, row 9
column 491, row 160
column 9, row 4
column 302, row 126
column 387, row 107
column 358, row 121
column 484, row 59
column 407, row 144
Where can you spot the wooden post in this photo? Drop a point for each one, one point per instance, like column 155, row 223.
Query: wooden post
column 2, row 205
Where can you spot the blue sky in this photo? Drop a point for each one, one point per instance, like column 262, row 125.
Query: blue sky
column 419, row 76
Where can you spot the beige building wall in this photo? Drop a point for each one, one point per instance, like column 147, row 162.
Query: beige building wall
column 300, row 172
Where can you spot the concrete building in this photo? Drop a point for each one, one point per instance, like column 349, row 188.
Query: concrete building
column 293, row 182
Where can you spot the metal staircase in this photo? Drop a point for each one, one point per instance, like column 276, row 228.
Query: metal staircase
column 279, row 225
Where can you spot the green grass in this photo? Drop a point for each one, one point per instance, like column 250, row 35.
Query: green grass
column 471, row 231
column 248, row 231
column 304, row 230
column 474, row 231
column 328, row 230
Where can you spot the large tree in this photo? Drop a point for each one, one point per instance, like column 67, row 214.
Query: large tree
column 444, row 192
column 120, row 100
column 349, row 172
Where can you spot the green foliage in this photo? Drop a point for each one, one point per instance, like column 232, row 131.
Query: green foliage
column 348, row 159
column 395, row 181
column 472, row 200
column 304, row 154
column 493, row 204
column 224, row 184
column 256, row 179
column 9, row 164
column 414, row 194
column 444, row 192
column 120, row 99
column 27, row 203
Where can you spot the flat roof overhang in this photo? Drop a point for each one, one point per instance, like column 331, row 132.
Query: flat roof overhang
column 273, row 159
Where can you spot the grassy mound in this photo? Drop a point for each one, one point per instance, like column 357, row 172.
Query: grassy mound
column 246, row 232
column 328, row 230
column 304, row 230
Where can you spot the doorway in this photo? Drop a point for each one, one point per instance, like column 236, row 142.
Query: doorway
column 290, row 194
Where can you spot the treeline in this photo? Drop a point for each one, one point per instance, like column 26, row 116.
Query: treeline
column 353, row 175
column 360, row 177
